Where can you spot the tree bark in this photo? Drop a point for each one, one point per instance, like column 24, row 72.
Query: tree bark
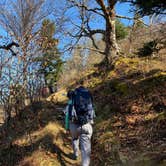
column 111, row 46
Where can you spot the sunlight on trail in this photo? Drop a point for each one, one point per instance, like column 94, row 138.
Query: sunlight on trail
column 54, row 147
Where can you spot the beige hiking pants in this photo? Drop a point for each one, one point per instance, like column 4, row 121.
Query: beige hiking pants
column 81, row 136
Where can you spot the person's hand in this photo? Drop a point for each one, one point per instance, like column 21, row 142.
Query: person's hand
column 91, row 122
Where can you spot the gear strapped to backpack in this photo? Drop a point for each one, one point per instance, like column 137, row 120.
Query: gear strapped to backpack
column 82, row 101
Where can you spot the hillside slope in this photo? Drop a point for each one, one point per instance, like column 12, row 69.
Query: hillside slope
column 131, row 109
column 130, row 103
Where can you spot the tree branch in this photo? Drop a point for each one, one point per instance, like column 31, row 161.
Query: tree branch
column 124, row 17
column 103, row 8
column 9, row 47
column 129, row 18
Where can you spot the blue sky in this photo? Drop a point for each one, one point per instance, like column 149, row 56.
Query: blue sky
column 121, row 9
column 125, row 9
column 2, row 33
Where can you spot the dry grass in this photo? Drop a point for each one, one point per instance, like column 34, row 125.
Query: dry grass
column 59, row 96
column 54, row 148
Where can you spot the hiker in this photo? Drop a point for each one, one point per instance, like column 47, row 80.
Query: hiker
column 68, row 110
column 81, row 114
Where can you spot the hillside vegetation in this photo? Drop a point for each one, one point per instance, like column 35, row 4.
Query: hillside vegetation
column 129, row 129
column 130, row 105
column 116, row 47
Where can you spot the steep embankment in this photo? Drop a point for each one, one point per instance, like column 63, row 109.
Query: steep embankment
column 131, row 117
column 130, row 106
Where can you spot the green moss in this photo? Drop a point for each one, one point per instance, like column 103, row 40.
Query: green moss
column 122, row 88
column 160, row 73
column 107, row 137
column 161, row 116
column 94, row 82
column 151, row 83
column 111, row 74
column 128, row 61
column 106, row 111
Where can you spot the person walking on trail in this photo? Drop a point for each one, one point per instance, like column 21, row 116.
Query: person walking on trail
column 80, row 113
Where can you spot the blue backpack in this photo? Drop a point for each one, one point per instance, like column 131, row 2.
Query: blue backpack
column 82, row 101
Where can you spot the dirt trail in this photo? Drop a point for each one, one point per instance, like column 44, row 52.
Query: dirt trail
column 38, row 139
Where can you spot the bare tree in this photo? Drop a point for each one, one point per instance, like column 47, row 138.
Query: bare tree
column 9, row 47
column 22, row 19
column 96, row 17
column 104, row 11
column 6, row 82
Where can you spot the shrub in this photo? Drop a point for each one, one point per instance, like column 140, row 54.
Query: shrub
column 121, row 30
column 147, row 49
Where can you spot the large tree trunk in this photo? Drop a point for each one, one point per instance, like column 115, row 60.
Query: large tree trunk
column 25, row 81
column 111, row 46
column 113, row 50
